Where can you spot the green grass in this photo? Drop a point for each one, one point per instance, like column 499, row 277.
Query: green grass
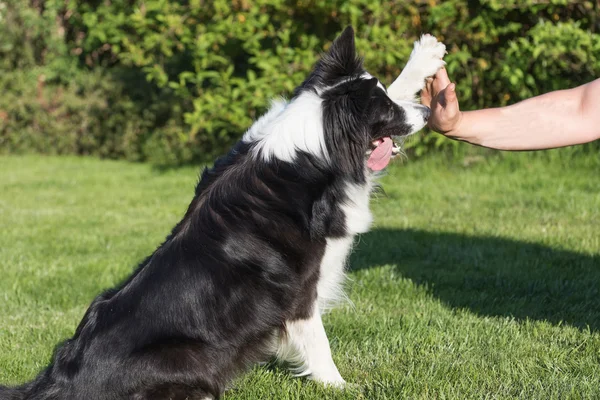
column 478, row 282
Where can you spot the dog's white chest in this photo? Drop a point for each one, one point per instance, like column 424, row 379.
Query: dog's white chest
column 356, row 208
column 358, row 219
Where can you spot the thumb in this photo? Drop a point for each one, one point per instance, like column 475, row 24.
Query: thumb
column 448, row 99
column 441, row 80
column 452, row 100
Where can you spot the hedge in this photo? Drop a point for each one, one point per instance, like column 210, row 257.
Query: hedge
column 174, row 82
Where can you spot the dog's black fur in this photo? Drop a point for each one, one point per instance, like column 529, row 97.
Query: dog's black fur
column 244, row 259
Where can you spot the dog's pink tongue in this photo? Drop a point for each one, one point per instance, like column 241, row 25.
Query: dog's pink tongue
column 380, row 157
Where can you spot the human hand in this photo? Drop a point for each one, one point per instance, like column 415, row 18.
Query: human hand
column 440, row 95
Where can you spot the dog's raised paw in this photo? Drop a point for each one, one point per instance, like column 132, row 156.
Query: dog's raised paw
column 429, row 45
column 428, row 54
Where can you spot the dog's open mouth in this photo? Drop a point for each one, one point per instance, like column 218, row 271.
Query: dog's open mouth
column 382, row 150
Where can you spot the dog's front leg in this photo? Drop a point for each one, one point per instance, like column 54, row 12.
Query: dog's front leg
column 306, row 347
column 425, row 60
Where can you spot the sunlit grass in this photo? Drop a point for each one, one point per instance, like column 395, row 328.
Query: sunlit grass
column 476, row 282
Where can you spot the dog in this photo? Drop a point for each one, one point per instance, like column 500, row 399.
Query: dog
column 260, row 253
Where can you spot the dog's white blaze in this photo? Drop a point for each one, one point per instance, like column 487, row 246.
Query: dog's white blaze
column 364, row 76
column 306, row 347
column 367, row 75
column 289, row 127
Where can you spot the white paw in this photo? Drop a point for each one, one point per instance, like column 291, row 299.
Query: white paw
column 336, row 384
column 427, row 55
column 334, row 379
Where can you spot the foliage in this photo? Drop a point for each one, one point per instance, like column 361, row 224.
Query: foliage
column 211, row 67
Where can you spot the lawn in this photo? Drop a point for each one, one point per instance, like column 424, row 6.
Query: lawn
column 478, row 281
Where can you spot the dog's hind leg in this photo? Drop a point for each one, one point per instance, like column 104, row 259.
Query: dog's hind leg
column 425, row 60
column 305, row 347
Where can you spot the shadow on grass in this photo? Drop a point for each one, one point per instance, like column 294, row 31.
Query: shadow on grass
column 491, row 276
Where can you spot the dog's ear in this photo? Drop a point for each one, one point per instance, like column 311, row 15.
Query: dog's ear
column 362, row 94
column 341, row 59
column 350, row 100
column 345, row 124
column 343, row 49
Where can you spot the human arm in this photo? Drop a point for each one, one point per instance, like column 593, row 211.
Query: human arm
column 555, row 119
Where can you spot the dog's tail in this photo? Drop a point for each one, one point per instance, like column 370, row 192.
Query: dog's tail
column 34, row 390
column 16, row 393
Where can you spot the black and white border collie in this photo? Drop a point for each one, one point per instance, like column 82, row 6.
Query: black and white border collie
column 260, row 252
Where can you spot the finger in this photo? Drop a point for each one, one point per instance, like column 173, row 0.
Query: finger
column 449, row 101
column 426, row 93
column 451, row 98
column 441, row 80
column 442, row 75
column 425, row 98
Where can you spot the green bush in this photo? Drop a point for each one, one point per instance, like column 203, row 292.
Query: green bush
column 173, row 82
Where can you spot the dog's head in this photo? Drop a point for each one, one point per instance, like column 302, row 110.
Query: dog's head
column 359, row 119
